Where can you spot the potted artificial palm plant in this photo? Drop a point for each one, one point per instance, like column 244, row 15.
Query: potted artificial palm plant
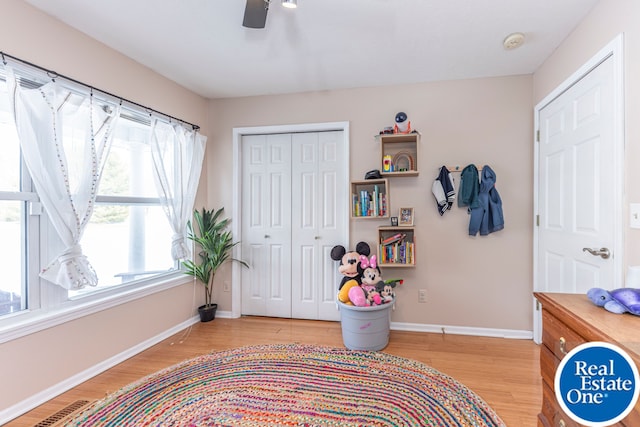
column 214, row 242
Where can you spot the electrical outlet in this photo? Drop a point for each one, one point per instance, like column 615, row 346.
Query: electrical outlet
column 634, row 211
column 226, row 286
column 422, row 295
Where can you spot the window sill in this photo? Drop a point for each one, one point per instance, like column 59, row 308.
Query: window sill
column 29, row 322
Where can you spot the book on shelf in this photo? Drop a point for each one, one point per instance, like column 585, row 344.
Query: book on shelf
column 364, row 200
column 369, row 203
column 374, row 201
column 383, row 204
column 356, row 205
column 395, row 238
column 397, row 253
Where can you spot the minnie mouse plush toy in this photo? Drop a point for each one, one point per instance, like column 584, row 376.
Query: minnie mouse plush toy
column 370, row 276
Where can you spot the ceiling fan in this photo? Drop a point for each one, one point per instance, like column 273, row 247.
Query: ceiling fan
column 255, row 12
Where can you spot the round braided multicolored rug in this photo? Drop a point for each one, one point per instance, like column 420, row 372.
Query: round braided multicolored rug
column 292, row 385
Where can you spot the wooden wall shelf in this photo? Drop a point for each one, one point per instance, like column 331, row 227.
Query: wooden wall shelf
column 399, row 154
column 396, row 247
column 370, row 199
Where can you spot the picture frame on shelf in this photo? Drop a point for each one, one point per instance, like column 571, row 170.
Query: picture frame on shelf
column 406, row 217
column 394, row 221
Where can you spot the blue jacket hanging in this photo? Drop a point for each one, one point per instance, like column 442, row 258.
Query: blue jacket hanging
column 488, row 217
column 469, row 187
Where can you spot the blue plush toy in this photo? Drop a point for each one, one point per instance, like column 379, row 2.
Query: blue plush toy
column 622, row 300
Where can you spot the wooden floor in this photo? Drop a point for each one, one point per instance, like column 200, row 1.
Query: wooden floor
column 504, row 372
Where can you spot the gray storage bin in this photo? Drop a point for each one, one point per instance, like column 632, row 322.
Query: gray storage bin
column 365, row 328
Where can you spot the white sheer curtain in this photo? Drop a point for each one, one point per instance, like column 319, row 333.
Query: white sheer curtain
column 65, row 138
column 177, row 158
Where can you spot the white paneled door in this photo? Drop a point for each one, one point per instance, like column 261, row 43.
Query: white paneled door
column 266, row 225
column 576, row 191
column 319, row 194
column 294, row 210
column 579, row 186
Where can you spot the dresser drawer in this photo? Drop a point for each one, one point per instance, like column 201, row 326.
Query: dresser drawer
column 548, row 365
column 633, row 419
column 551, row 410
column 557, row 336
column 553, row 416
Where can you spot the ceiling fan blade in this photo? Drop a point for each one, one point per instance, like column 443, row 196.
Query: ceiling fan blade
column 255, row 13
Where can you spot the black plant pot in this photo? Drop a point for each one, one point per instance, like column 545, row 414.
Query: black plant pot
column 207, row 312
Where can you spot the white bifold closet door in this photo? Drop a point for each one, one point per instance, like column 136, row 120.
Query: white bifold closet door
column 294, row 210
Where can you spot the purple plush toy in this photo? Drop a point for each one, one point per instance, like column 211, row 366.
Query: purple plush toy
column 622, row 300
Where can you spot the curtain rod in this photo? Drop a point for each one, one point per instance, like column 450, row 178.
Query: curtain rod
column 54, row 74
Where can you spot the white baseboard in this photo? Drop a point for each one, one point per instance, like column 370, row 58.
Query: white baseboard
column 38, row 399
column 463, row 330
column 442, row 329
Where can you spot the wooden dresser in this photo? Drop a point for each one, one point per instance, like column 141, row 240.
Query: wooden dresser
column 567, row 321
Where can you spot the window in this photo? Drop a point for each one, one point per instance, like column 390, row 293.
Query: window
column 127, row 241
column 13, row 203
column 128, row 237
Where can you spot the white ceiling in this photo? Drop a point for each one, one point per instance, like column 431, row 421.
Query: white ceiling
column 324, row 44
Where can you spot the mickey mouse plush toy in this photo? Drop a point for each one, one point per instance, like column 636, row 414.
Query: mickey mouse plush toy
column 349, row 261
column 386, row 289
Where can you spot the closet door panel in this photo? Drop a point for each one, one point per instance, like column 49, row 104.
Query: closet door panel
column 333, row 166
column 304, row 170
column 266, row 219
column 320, row 187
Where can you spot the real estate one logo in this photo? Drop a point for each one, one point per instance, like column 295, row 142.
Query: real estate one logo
column 597, row 384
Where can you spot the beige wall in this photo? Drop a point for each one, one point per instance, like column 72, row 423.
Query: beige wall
column 482, row 282
column 33, row 363
column 608, row 19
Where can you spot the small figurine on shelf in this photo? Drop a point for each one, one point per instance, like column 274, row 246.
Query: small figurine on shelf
column 387, row 166
column 388, row 130
column 403, row 124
